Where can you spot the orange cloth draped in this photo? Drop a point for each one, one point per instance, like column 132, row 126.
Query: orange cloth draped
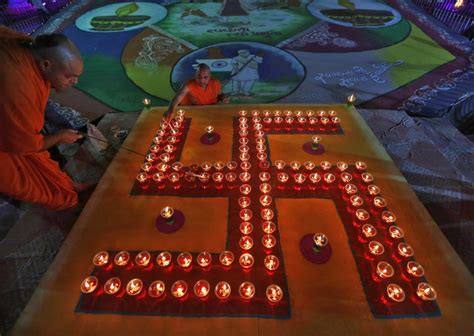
column 199, row 96
column 26, row 172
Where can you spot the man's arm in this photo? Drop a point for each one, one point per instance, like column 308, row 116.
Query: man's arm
column 176, row 100
column 66, row 136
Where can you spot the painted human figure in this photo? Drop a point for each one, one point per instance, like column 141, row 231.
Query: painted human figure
column 244, row 72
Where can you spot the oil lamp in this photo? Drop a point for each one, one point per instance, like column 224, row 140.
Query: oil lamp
column 244, row 156
column 179, row 289
column 265, row 200
column 101, row 258
column 165, row 157
column 405, row 250
column 395, row 232
column 245, row 176
column 209, row 132
column 154, row 149
column 112, row 286
column 415, row 269
column 376, row 248
column 147, row 103
column 163, row 259
column 426, row 292
column 395, row 293
column 246, row 228
column 202, row 288
column 325, row 165
column 184, row 259
column 246, row 243
column 384, row 270
column 321, row 113
column 295, row 165
column 335, row 121
column 267, row 214
column 265, row 188
column 244, row 201
column 268, row 241
column 342, row 166
column 142, row 179
column 329, row 178
column 204, row 259
column 246, row 290
column 147, row 166
column 134, row 287
column 280, row 164
column 245, row 214
column 180, row 113
column 262, row 156
column 268, row 227
column 226, row 258
column 282, row 177
column 143, row 258
column 379, row 202
column 274, row 293
column 230, row 177
column 367, row 178
column 309, row 165
column 232, row 165
column 356, row 201
column 388, row 217
column 156, row 289
column 299, row 179
column 222, row 290
column 362, row 215
column 122, row 258
column 89, row 284
column 260, row 148
column 319, row 241
column 314, row 178
column 271, row 262
column 373, row 190
column 324, row 121
column 361, row 166
column 351, row 100
column 242, row 113
column 167, row 214
column 245, row 165
column 246, row 260
column 206, row 166
column 255, row 113
column 345, row 177
column 369, row 230
column 245, row 189
column 219, row 165
column 264, row 176
column 309, row 113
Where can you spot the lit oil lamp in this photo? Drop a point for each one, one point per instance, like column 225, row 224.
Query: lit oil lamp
column 219, row 165
column 299, row 180
column 245, row 189
column 271, row 262
column 351, row 100
column 287, row 113
column 332, row 113
column 405, row 250
column 112, row 286
column 218, row 177
column 388, row 217
column 156, row 289
column 134, row 287
column 179, row 289
column 184, row 259
column 161, row 132
column 246, row 228
column 302, row 121
column 262, row 156
column 202, row 289
column 174, row 178
column 395, row 293
column 314, row 178
column 269, row 241
column 177, row 166
column 206, row 166
column 222, row 290
column 426, row 292
column 122, row 258
column 159, row 178
column 265, row 188
column 325, row 165
column 319, row 241
column 163, row 167
column 309, row 113
column 277, row 113
column 379, row 202
column 246, row 243
column 143, row 258
column 309, row 165
column 244, row 149
column 321, row 113
column 384, row 270
column 246, row 260
column 147, row 103
column 362, row 215
column 324, row 121
column 329, row 178
column 255, row 113
column 295, row 165
column 274, row 293
column 245, row 176
column 361, row 166
column 89, row 284
column 226, row 258
column 165, row 157
column 147, row 166
column 180, row 113
column 299, row 113
column 415, row 269
column 142, row 179
column 243, row 132
column 246, row 214
column 395, row 232
column 268, row 227
column 345, row 177
column 244, row 202
column 278, row 121
column 242, row 113
column 204, row 179
column 232, row 165
column 342, row 166
column 204, row 259
column 265, row 200
column 367, row 178
column 209, row 132
column 101, row 258
column 282, row 178
column 167, row 214
column 369, row 230
column 280, row 164
column 246, row 290
column 267, row 214
column 230, row 177
column 169, row 148
column 257, row 127
column 244, row 156
column 356, row 201
column 373, row 190
column 154, row 149
column 164, row 259
column 264, row 176
column 261, row 148
column 245, row 165
column 376, row 248
column 157, row 140
column 313, row 121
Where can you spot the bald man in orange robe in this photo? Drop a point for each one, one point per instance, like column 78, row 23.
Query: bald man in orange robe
column 202, row 90
column 27, row 72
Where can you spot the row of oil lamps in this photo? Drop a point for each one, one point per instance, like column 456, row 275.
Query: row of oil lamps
column 179, row 289
column 383, row 269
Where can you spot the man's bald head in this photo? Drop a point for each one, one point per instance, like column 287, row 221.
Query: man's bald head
column 203, row 74
column 58, row 59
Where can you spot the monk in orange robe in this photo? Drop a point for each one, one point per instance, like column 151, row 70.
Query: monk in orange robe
column 28, row 70
column 202, row 90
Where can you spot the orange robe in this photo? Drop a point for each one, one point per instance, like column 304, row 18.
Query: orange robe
column 26, row 172
column 199, row 96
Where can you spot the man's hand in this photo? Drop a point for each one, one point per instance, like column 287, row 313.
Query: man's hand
column 68, row 136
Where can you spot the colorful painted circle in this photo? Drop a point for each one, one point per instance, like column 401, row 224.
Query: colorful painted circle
column 249, row 72
column 121, row 17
